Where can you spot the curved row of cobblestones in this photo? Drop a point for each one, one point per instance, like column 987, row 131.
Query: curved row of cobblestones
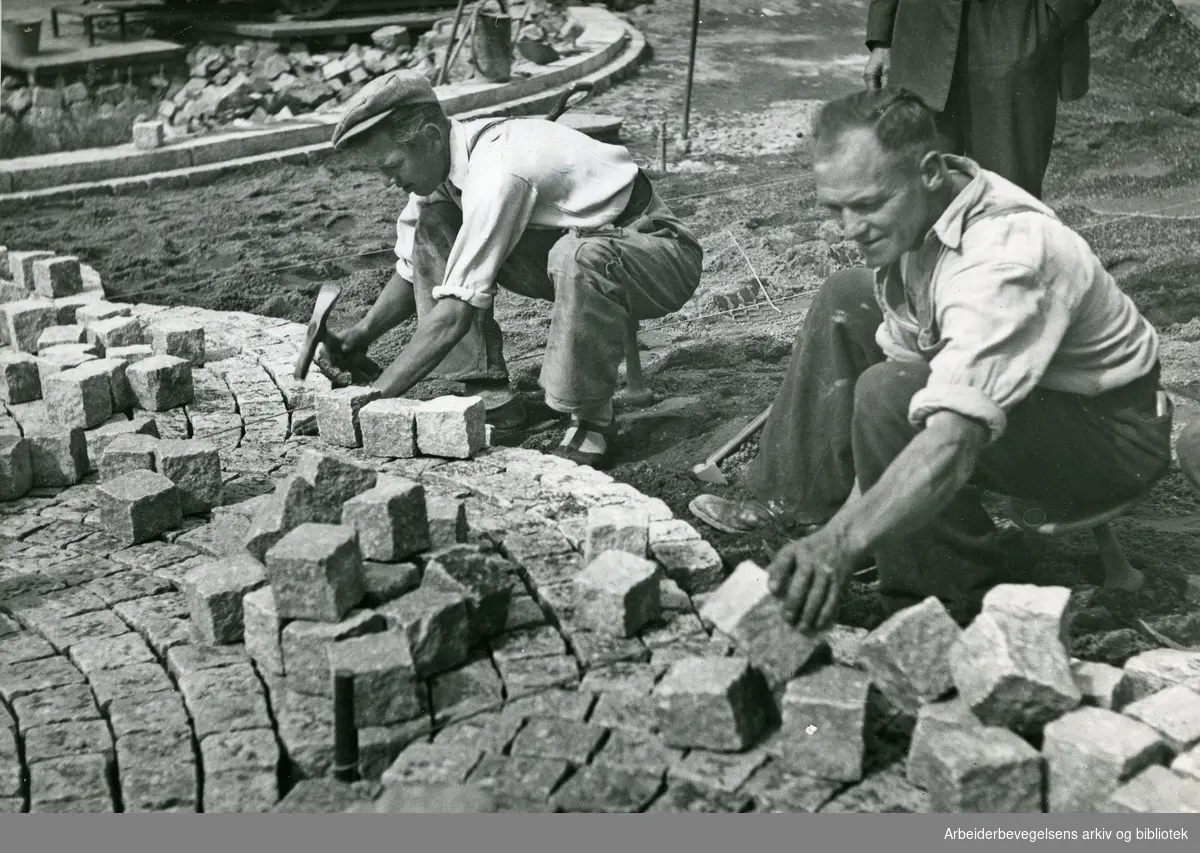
column 111, row 703
column 107, row 703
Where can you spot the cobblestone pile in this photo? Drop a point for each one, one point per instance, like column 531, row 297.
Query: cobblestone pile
column 260, row 81
column 521, row 633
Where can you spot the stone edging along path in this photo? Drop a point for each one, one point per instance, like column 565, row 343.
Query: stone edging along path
column 616, row 50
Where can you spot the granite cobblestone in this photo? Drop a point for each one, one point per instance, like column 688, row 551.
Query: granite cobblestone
column 99, row 659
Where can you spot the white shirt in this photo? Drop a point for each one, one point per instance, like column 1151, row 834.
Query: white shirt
column 524, row 173
column 1001, row 298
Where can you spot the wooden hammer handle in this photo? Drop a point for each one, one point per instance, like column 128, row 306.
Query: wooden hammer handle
column 735, row 442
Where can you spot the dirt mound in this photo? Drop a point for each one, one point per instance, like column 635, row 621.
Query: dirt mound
column 1151, row 49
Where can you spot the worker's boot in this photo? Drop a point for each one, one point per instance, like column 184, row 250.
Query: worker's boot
column 740, row 516
column 590, row 435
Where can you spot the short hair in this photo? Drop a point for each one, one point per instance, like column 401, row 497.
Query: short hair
column 405, row 124
column 900, row 120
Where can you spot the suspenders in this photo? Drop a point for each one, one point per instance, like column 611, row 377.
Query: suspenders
column 456, row 194
column 485, row 129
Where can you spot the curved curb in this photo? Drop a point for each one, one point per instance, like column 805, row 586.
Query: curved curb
column 202, row 161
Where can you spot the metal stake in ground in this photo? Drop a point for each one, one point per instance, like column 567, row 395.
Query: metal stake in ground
column 441, row 78
column 687, row 92
column 345, row 733
column 662, row 147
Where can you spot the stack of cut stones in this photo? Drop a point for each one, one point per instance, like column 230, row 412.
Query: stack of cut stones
column 348, row 572
column 88, row 378
column 1001, row 717
column 260, row 82
column 345, row 570
column 398, row 428
column 351, row 572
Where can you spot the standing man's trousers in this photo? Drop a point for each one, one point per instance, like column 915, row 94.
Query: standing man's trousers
column 842, row 413
column 1002, row 106
column 599, row 281
column 1004, row 122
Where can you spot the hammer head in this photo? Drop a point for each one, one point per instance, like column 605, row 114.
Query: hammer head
column 326, row 299
column 709, row 472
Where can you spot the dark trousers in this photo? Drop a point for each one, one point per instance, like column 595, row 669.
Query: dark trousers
column 842, row 413
column 1003, row 118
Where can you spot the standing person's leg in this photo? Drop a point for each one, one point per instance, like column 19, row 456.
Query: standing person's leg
column 952, row 119
column 954, row 114
column 804, row 470
column 1010, row 121
column 1010, row 67
column 1085, row 452
column 603, row 279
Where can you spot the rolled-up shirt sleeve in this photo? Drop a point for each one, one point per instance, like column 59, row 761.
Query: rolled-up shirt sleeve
column 497, row 207
column 1000, row 326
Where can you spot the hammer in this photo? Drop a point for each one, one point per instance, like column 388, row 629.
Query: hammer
column 326, row 299
column 709, row 470
column 361, row 367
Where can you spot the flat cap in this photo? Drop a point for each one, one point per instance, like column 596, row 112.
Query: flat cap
column 380, row 98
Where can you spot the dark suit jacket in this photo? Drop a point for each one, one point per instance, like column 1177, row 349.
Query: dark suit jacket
column 1005, row 36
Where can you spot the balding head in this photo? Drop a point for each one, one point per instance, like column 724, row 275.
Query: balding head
column 900, row 122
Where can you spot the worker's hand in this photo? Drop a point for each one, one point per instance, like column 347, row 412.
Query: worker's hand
column 875, row 75
column 808, row 575
column 344, row 345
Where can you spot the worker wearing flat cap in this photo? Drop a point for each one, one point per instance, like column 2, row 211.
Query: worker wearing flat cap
column 537, row 208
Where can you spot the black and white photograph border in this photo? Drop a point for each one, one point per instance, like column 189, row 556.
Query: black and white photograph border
column 238, row 574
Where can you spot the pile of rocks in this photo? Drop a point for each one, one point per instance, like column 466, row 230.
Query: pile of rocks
column 346, row 572
column 57, row 113
column 397, row 428
column 336, row 536
column 87, row 380
column 1002, row 719
column 260, row 81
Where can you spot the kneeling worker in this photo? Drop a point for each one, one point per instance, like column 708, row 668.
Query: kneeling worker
column 538, row 208
column 983, row 347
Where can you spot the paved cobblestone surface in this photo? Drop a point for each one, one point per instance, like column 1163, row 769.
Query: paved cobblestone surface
column 110, row 700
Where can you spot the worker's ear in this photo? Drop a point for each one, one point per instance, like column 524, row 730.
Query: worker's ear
column 436, row 140
column 933, row 171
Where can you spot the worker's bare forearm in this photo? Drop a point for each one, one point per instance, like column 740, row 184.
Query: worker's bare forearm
column 396, row 303
column 437, row 333
column 916, row 486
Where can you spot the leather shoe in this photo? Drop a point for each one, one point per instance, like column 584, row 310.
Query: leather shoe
column 734, row 516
